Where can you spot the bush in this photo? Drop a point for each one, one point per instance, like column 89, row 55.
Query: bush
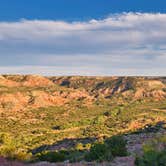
column 154, row 153
column 75, row 155
column 152, row 158
column 51, row 156
column 117, row 145
column 99, row 152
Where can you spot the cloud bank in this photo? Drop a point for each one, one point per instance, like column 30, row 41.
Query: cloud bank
column 122, row 44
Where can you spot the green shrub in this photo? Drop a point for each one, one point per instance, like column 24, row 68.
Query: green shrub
column 152, row 158
column 51, row 156
column 117, row 145
column 75, row 155
column 154, row 153
column 162, row 158
column 99, row 152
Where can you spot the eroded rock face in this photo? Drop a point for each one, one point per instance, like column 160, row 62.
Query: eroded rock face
column 37, row 98
column 35, row 80
column 16, row 101
column 155, row 94
column 135, row 87
column 7, row 82
column 27, row 80
column 18, row 92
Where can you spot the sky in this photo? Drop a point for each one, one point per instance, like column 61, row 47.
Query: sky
column 83, row 37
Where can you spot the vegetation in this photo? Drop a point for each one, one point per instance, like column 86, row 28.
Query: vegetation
column 154, row 153
column 97, row 151
column 112, row 147
column 77, row 118
column 117, row 146
column 153, row 158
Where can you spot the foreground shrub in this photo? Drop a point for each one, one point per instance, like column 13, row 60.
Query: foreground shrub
column 152, row 158
column 99, row 152
column 75, row 155
column 117, row 145
column 51, row 156
column 154, row 153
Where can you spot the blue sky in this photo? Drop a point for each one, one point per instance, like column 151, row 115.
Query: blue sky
column 83, row 37
column 70, row 10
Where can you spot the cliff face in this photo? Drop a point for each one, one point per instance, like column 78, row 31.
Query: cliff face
column 135, row 87
column 20, row 92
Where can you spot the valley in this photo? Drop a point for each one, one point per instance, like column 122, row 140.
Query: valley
column 69, row 115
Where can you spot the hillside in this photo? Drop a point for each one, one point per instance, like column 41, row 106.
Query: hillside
column 44, row 114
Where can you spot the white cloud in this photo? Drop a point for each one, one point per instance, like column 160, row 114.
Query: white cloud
column 128, row 43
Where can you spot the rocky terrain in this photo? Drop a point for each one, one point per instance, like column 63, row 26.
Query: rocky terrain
column 55, row 113
column 19, row 92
